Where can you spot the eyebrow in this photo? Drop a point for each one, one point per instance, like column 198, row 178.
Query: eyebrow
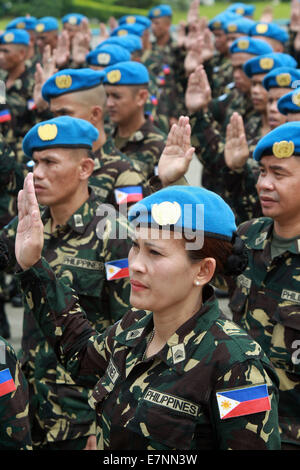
column 275, row 167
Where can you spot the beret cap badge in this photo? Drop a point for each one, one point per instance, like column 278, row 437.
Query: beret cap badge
column 114, row 76
column 283, row 149
column 166, row 213
column 47, row 132
column 63, row 81
column 9, row 37
column 40, row 27
column 266, row 63
column 103, row 58
column 296, row 99
column 261, row 28
column 243, row 44
column 283, row 79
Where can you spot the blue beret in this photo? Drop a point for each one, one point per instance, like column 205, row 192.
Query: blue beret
column 106, row 55
column 126, row 73
column 45, row 24
column 190, row 208
column 63, row 131
column 282, row 142
column 131, row 42
column 124, row 29
column 251, row 46
column 73, row 19
column 270, row 30
column 289, row 103
column 282, row 77
column 242, row 9
column 240, row 25
column 267, row 62
column 70, row 81
column 132, row 19
column 22, row 22
column 220, row 20
column 159, row 11
column 15, row 36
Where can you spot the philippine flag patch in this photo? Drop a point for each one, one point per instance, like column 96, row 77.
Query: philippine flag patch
column 117, row 269
column 7, row 384
column 128, row 194
column 243, row 401
column 5, row 115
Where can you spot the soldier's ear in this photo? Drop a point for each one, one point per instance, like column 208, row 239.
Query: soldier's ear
column 142, row 96
column 86, row 168
column 96, row 115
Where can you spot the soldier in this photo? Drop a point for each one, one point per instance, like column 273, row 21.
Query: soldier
column 77, row 248
column 126, row 86
column 206, row 114
column 14, row 402
column 241, row 171
column 265, row 299
column 289, row 104
column 80, row 93
column 28, row 23
column 47, row 31
column 276, row 36
column 106, row 55
column 19, row 84
column 174, row 369
column 71, row 23
column 236, row 28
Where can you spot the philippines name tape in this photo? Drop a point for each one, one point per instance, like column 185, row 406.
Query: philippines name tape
column 243, row 401
column 171, row 401
column 7, row 384
column 128, row 194
column 117, row 269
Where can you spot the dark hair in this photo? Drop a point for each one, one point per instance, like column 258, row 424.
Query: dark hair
column 231, row 256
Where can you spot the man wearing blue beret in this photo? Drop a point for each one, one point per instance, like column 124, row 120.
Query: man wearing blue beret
column 265, row 300
column 28, row 24
column 289, row 104
column 77, row 245
column 46, row 29
column 17, row 115
column 126, row 85
column 72, row 22
column 276, row 36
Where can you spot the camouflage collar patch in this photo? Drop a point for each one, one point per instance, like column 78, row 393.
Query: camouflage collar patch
column 133, row 334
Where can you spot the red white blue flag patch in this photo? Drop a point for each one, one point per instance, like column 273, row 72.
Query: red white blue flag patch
column 7, row 384
column 243, row 401
column 128, row 194
column 117, row 269
column 5, row 115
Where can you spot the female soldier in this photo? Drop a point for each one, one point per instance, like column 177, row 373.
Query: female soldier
column 174, row 373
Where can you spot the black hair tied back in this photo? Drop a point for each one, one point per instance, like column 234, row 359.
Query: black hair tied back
column 4, row 256
column 236, row 262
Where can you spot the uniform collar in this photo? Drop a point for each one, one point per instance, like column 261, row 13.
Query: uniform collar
column 81, row 218
column 180, row 346
column 264, row 238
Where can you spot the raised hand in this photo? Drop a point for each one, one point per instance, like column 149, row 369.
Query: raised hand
column 198, row 92
column 81, row 43
column 194, row 56
column 236, row 150
column 30, row 233
column 177, row 154
column 62, row 51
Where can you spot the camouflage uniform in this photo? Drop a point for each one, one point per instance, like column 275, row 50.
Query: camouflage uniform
column 19, row 100
column 114, row 171
column 14, row 405
column 144, row 147
column 167, row 401
column 266, row 302
column 77, row 253
column 219, row 72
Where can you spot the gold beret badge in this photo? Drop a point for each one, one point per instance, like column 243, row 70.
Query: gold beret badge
column 47, row 132
column 166, row 213
column 283, row 149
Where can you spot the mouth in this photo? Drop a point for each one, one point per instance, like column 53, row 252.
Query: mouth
column 137, row 286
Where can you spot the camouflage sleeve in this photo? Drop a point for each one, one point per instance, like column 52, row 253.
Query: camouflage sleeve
column 252, row 430
column 14, row 402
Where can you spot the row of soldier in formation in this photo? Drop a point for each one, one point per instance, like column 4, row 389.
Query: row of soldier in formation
column 148, row 94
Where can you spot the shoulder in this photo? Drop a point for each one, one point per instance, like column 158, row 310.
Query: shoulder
column 252, row 228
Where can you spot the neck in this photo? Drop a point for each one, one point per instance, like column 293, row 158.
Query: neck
column 287, row 229
column 265, row 128
column 168, row 321
column 61, row 213
column 163, row 40
column 15, row 73
column 126, row 129
column 101, row 139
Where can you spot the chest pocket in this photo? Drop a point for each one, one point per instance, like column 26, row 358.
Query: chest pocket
column 86, row 277
column 163, row 426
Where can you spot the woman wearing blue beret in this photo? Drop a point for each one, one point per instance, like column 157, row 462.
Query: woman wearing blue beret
column 174, row 373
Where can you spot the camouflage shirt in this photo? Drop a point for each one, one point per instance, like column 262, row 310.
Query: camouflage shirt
column 168, row 401
column 77, row 252
column 144, row 146
column 219, row 72
column 14, row 402
column 266, row 302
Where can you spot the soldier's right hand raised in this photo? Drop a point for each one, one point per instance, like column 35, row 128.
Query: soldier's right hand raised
column 30, row 232
column 198, row 93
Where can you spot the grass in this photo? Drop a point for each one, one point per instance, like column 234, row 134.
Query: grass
column 281, row 11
